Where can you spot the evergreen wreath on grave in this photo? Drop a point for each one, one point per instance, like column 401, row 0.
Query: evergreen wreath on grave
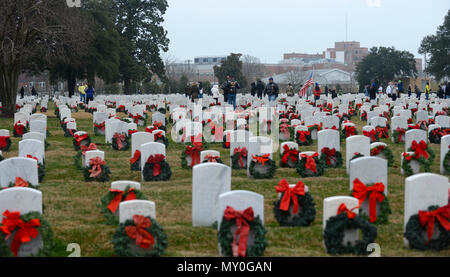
column 193, row 150
column 120, row 109
column 427, row 221
column 266, row 162
column 162, row 110
column 156, row 126
column 422, row 149
column 135, row 161
column 310, row 165
column 109, row 203
column 374, row 193
column 348, row 131
column 57, row 112
column 436, row 134
column 331, row 158
column 364, row 116
column 372, row 134
column 98, row 128
column 5, row 143
column 69, row 133
column 81, row 152
column 97, row 170
column 446, row 162
column 43, row 110
column 246, row 223
column 382, row 132
column 212, row 159
column 226, row 141
column 335, row 230
column 300, row 201
column 159, row 137
column 289, row 154
column 313, row 127
column 425, row 164
column 399, row 135
column 303, row 138
column 137, row 118
column 78, row 141
column 26, row 227
column 239, row 158
column 381, row 149
column 19, row 182
column 286, row 129
column 356, row 156
column 145, row 232
column 19, row 129
column 120, row 142
column 157, row 169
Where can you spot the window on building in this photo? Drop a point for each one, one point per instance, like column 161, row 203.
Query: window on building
column 196, row 60
column 31, row 84
column 42, row 84
column 214, row 60
column 205, row 60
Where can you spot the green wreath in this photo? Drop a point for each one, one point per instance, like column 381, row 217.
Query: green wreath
column 162, row 110
column 136, row 166
column 396, row 134
column 113, row 219
column 436, row 139
column 122, row 242
column 308, row 139
column 446, row 163
column 77, row 147
column 308, row 173
column 388, row 154
column 97, row 132
column 425, row 165
column 12, row 185
column 414, row 234
column 306, row 212
column 165, row 174
column 267, row 175
column 235, row 164
column 126, row 144
column 224, row 142
column 225, row 238
column 103, row 177
column 219, row 160
column 16, row 135
column 57, row 112
column 334, row 164
column 334, row 234
column 184, row 163
column 358, row 155
column 44, row 230
column 41, row 171
column 344, row 133
column 385, row 209
column 8, row 145
column 430, row 153
column 165, row 141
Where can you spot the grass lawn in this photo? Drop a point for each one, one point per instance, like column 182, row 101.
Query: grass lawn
column 71, row 203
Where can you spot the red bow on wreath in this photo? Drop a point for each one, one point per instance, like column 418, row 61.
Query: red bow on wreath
column 139, row 233
column 407, row 156
column 136, row 157
column 19, row 127
column 310, row 162
column 34, row 158
column 101, row 126
column 21, row 183
column 158, row 135
column 382, row 131
column 211, row 158
column 349, row 130
column 377, row 150
column 437, row 132
column 194, row 153
column 417, row 126
column 85, row 148
column 428, row 218
column 156, row 161
column 25, row 230
column 3, row 142
column 364, row 114
column 242, row 230
column 96, row 164
column 79, row 138
column 330, row 153
column 290, row 193
column 120, row 138
column 302, row 135
column 289, row 153
column 360, row 191
column 401, row 133
column 242, row 153
column 315, row 125
column 136, row 118
column 343, row 209
column 114, row 204
column 227, row 140
column 285, row 129
column 261, row 159
column 130, row 132
column 371, row 134
column 420, row 149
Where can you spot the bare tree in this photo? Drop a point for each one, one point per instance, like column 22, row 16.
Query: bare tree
column 251, row 68
column 296, row 78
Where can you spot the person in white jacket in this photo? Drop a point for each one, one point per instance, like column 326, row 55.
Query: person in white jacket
column 215, row 93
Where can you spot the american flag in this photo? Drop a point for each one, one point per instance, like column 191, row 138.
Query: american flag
column 305, row 87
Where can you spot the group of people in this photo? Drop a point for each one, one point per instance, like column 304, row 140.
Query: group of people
column 86, row 93
column 22, row 92
column 194, row 91
column 395, row 88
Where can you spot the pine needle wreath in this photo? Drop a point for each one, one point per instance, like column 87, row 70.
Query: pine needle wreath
column 17, row 135
column 44, row 230
column 268, row 175
column 165, row 174
column 383, row 150
column 305, row 215
column 336, row 162
column 30, row 185
column 385, row 209
column 103, row 177
column 86, row 142
column 435, row 136
column 225, row 143
column 396, row 135
column 41, row 171
column 184, row 163
column 425, row 165
column 125, row 144
column 136, row 166
column 225, row 238
column 235, row 164
column 356, row 156
column 335, row 230
column 430, row 152
column 218, row 160
column 414, row 233
column 113, row 219
column 308, row 139
column 122, row 243
column 164, row 140
column 162, row 110
column 344, row 133
column 446, row 163
column 7, row 146
column 301, row 169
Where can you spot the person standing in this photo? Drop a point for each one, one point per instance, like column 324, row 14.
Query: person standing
column 394, row 92
column 194, row 92
column 200, row 88
column 272, row 90
column 290, row 90
column 317, row 91
column 417, row 91
column 440, row 92
column 226, row 86
column 22, row 92
column 373, row 92
column 427, row 91
column 215, row 93
column 400, row 87
column 232, row 93
column 389, row 90
column 326, row 90
column 253, row 89
column 409, row 91
column 447, row 90
column 82, row 91
column 366, row 90
column 259, row 88
column 333, row 93
column 89, row 94
column 33, row 91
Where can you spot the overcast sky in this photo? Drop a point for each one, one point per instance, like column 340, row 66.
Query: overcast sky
column 268, row 28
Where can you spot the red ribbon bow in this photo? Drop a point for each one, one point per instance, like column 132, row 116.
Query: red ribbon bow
column 211, row 158
column 101, row 126
column 343, row 209
column 302, row 135
column 401, row 133
column 330, row 153
column 34, row 158
column 371, row 134
column 438, row 132
column 136, row 157
column 376, row 191
column 310, row 162
column 242, row 153
column 239, row 246
column 428, row 218
column 407, row 156
column 85, row 148
column 130, row 132
column 26, row 230
column 377, row 150
column 19, row 128
column 261, row 159
column 156, row 161
column 79, row 138
column 420, row 149
column 114, row 204
column 3, row 142
column 21, row 183
column 96, row 164
column 289, row 153
column 382, row 131
column 349, row 130
column 285, row 129
column 417, row 126
column 120, row 138
column 290, row 193
column 194, row 153
column 139, row 233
